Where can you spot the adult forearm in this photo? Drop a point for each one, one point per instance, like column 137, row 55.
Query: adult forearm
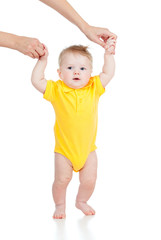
column 8, row 40
column 26, row 45
column 66, row 10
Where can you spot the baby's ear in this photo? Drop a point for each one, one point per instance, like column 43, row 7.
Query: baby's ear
column 59, row 72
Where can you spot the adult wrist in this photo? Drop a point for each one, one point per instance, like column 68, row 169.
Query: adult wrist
column 16, row 42
column 83, row 26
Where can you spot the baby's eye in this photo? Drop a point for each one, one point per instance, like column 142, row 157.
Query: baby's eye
column 69, row 68
column 82, row 68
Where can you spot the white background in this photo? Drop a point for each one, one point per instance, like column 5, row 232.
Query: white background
column 127, row 196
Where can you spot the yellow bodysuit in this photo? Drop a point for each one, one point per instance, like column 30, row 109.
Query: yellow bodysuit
column 76, row 113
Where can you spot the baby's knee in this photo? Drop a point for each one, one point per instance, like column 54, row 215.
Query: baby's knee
column 90, row 182
column 63, row 180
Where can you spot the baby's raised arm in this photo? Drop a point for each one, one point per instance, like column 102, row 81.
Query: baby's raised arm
column 109, row 63
column 38, row 80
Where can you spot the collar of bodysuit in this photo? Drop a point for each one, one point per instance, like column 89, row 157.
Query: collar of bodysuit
column 68, row 89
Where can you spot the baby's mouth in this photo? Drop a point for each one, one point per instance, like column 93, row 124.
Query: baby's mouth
column 76, row 79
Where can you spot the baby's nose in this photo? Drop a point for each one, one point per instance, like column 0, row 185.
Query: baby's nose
column 76, row 72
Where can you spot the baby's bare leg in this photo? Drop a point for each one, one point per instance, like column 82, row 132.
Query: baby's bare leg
column 87, row 176
column 63, row 175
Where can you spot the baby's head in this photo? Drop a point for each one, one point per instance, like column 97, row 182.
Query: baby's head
column 75, row 66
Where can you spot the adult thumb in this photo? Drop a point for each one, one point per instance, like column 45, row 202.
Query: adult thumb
column 100, row 42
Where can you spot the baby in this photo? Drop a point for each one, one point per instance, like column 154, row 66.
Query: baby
column 75, row 101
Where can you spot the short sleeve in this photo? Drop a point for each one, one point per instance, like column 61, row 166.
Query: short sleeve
column 99, row 88
column 49, row 94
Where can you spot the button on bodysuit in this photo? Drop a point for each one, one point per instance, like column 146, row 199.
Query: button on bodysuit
column 76, row 112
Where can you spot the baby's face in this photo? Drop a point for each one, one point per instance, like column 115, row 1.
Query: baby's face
column 75, row 70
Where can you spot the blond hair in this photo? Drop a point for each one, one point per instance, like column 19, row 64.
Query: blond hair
column 80, row 49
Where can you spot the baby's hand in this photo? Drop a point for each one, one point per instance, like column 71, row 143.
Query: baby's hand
column 110, row 46
column 46, row 53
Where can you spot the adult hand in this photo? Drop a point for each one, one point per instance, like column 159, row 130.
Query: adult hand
column 98, row 35
column 29, row 46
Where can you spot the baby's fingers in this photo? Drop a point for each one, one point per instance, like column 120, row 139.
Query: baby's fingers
column 111, row 50
column 109, row 45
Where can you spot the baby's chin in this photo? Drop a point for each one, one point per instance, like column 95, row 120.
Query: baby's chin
column 76, row 85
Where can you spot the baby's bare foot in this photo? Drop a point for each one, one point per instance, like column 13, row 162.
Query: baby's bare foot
column 59, row 212
column 85, row 208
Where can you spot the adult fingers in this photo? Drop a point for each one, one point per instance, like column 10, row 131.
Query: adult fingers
column 40, row 51
column 34, row 54
column 30, row 55
column 112, row 35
